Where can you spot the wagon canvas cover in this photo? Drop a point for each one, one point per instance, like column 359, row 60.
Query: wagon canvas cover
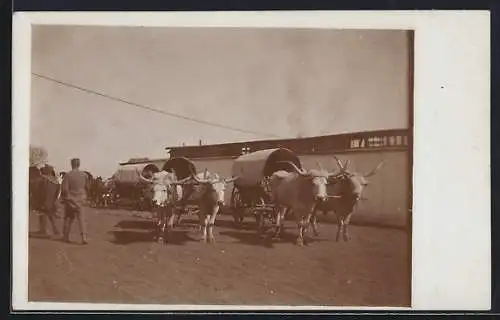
column 253, row 167
column 128, row 174
column 181, row 165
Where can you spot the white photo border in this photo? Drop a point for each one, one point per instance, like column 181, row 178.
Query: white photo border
column 451, row 255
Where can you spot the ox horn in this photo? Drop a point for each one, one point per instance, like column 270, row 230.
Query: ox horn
column 295, row 167
column 346, row 164
column 182, row 181
column 320, row 167
column 229, row 180
column 339, row 163
column 195, row 177
column 334, row 174
column 142, row 177
column 374, row 171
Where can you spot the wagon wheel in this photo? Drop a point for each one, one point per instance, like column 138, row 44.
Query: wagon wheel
column 236, row 206
column 258, row 215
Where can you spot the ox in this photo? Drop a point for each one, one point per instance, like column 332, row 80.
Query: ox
column 208, row 193
column 106, row 197
column 44, row 189
column 166, row 191
column 347, row 188
column 96, row 190
column 297, row 192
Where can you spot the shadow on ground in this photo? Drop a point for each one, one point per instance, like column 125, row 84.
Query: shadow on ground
column 266, row 240
column 221, row 224
column 124, row 237
column 135, row 224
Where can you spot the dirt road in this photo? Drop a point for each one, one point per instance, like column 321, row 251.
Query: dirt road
column 123, row 265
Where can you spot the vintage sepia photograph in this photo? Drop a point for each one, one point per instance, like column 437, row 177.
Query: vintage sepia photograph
column 220, row 165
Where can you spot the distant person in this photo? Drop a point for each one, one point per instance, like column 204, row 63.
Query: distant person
column 75, row 187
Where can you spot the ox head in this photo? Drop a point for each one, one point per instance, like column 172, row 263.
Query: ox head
column 352, row 184
column 318, row 179
column 213, row 184
column 165, row 187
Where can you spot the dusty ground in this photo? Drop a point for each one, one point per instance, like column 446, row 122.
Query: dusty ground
column 122, row 265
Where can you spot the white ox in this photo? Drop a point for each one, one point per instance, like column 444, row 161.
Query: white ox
column 208, row 193
column 166, row 191
column 298, row 192
column 347, row 188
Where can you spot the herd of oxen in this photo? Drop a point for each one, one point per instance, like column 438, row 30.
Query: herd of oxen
column 298, row 193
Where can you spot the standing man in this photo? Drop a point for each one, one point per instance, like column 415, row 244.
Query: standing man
column 75, row 187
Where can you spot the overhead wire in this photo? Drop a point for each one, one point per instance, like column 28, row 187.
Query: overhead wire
column 137, row 105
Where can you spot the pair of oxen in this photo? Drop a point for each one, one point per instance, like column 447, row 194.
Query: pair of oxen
column 302, row 192
column 170, row 197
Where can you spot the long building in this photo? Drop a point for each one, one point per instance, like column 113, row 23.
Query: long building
column 389, row 195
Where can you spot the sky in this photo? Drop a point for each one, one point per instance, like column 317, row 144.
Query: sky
column 276, row 83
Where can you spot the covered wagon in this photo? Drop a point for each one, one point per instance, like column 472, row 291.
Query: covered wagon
column 129, row 188
column 251, row 194
column 128, row 185
column 181, row 165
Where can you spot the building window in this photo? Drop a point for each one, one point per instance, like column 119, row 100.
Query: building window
column 392, row 140
column 355, row 143
column 245, row 150
column 398, row 140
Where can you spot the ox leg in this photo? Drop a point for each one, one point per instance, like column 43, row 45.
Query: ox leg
column 314, row 224
column 170, row 224
column 178, row 217
column 211, row 224
column 300, row 237
column 307, row 224
column 161, row 227
column 178, row 214
column 155, row 219
column 340, row 227
column 55, row 230
column 210, row 227
column 204, row 219
column 282, row 220
column 42, row 224
column 156, row 223
column 345, row 233
column 277, row 230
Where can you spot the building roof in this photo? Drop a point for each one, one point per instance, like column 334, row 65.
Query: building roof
column 309, row 145
column 279, row 141
column 142, row 161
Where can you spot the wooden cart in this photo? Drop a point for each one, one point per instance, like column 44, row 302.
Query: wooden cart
column 251, row 194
